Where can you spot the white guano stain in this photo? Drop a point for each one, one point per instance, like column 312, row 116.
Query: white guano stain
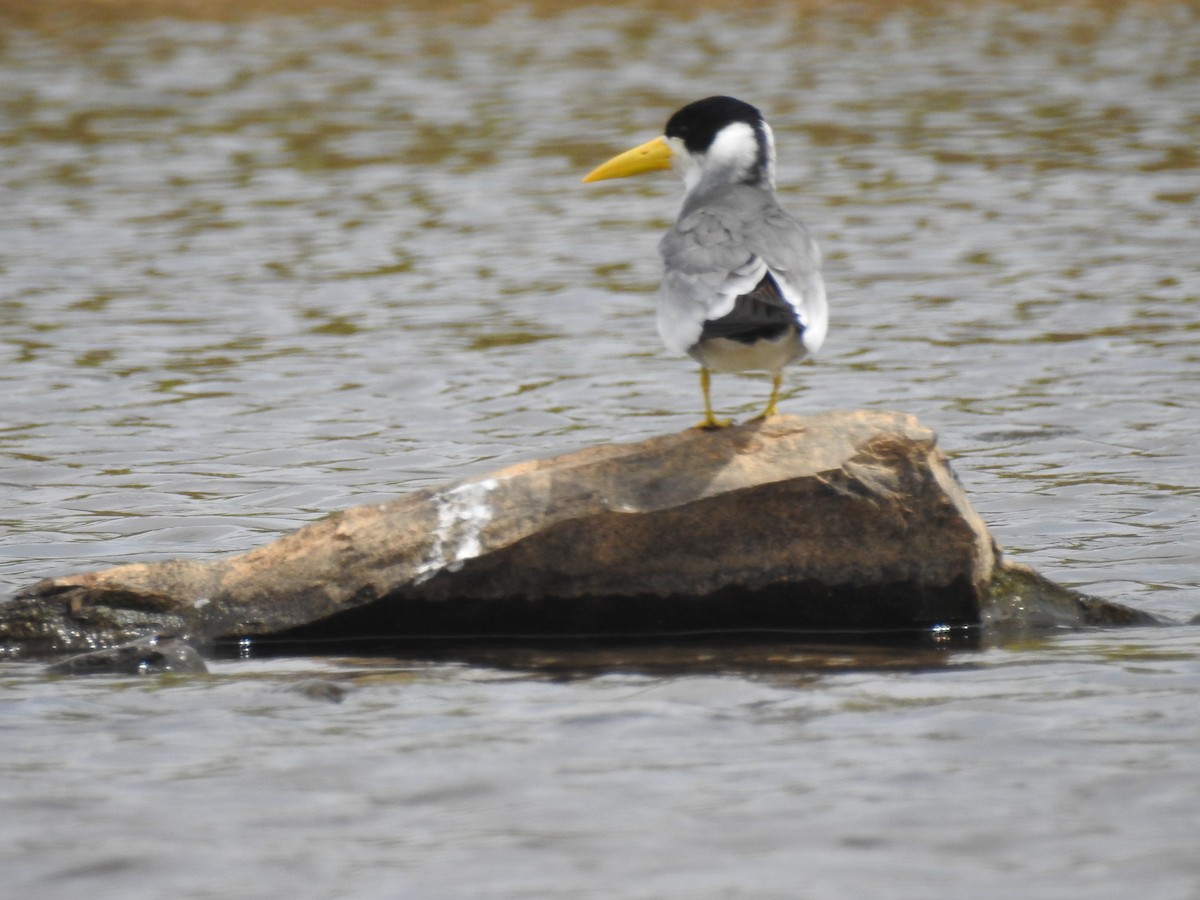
column 462, row 513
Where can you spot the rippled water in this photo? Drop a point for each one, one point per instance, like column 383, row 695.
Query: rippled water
column 255, row 271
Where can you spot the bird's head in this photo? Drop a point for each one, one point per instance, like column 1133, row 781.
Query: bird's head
column 717, row 140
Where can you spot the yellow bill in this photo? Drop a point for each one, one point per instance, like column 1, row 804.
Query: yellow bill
column 651, row 156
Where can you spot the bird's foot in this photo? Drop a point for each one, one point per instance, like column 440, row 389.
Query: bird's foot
column 712, row 423
column 771, row 410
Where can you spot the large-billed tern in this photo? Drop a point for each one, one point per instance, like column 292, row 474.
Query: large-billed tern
column 742, row 288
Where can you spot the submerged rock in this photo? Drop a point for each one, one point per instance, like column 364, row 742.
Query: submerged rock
column 846, row 521
column 319, row 689
column 155, row 654
column 1022, row 600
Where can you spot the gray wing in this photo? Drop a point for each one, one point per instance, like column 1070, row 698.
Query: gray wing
column 735, row 257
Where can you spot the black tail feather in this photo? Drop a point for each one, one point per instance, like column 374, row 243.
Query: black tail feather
column 761, row 314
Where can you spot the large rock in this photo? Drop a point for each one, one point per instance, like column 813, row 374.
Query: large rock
column 841, row 521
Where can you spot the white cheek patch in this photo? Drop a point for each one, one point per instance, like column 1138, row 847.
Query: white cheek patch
column 735, row 147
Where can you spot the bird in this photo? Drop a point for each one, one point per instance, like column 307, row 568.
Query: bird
column 741, row 289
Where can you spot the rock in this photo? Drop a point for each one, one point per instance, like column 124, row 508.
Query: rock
column 1022, row 601
column 156, row 654
column 318, row 689
column 844, row 521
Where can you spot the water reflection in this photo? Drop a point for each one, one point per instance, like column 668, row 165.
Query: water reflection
column 749, row 654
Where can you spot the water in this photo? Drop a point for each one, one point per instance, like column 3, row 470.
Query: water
column 253, row 271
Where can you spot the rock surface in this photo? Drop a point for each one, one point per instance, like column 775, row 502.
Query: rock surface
column 842, row 521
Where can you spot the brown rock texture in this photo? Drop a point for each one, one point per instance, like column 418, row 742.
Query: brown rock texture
column 844, row 521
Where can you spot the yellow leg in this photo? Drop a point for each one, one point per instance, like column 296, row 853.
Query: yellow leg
column 710, row 421
column 771, row 409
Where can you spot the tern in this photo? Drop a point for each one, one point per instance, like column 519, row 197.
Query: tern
column 741, row 288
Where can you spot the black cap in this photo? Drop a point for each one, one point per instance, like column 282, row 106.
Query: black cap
column 698, row 123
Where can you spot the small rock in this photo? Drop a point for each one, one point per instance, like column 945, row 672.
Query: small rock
column 319, row 689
